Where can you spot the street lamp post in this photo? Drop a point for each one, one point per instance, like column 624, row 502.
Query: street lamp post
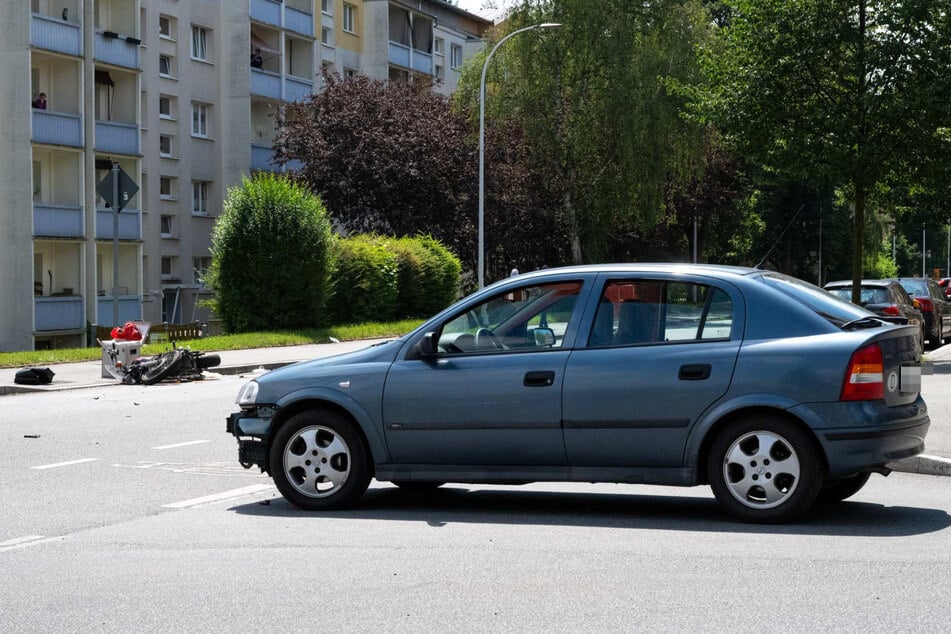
column 485, row 67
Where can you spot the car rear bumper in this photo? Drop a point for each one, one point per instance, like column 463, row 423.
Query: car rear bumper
column 870, row 434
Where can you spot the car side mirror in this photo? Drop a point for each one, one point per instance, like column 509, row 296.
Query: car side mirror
column 427, row 346
column 544, row 337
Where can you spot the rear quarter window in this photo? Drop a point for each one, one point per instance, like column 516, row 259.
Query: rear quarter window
column 830, row 306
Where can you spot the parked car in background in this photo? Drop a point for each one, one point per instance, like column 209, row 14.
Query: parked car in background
column 934, row 307
column 945, row 284
column 886, row 298
column 772, row 391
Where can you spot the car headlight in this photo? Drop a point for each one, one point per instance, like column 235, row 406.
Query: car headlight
column 247, row 394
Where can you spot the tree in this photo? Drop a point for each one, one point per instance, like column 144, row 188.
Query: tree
column 385, row 157
column 604, row 131
column 270, row 256
column 847, row 93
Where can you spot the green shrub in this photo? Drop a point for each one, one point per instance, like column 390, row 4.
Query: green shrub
column 441, row 278
column 365, row 281
column 271, row 257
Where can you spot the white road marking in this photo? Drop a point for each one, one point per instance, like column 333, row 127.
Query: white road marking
column 65, row 464
column 23, row 542
column 218, row 497
column 182, row 444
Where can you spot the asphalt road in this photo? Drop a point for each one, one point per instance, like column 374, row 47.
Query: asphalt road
column 124, row 510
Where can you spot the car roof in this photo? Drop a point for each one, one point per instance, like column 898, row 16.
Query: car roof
column 863, row 283
column 719, row 270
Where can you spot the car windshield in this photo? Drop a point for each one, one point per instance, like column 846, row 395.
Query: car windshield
column 836, row 309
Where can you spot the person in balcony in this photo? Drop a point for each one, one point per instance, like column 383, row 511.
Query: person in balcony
column 256, row 60
column 40, row 102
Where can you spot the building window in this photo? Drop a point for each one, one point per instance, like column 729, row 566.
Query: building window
column 165, row 144
column 165, row 65
column 200, row 198
column 440, row 72
column 165, row 188
column 168, row 265
column 326, row 6
column 165, row 27
column 167, row 226
column 199, row 43
column 324, row 35
column 199, row 119
column 200, row 268
column 439, row 46
column 349, row 18
column 165, row 107
column 455, row 56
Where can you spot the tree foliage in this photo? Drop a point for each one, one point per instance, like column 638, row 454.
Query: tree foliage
column 270, row 256
column 841, row 93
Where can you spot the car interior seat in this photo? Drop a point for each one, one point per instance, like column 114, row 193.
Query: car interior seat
column 636, row 323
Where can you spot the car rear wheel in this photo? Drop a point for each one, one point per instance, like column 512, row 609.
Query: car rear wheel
column 838, row 490
column 764, row 469
column 318, row 461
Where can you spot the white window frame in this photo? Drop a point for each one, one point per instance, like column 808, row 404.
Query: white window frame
column 439, row 46
column 325, row 35
column 200, row 266
column 165, row 152
column 169, row 63
column 200, row 197
column 170, row 182
column 167, row 222
column 200, row 119
column 349, row 21
column 199, row 45
column 326, row 6
column 166, row 34
column 170, row 113
column 455, row 56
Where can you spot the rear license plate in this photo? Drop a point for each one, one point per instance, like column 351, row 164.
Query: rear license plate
column 910, row 379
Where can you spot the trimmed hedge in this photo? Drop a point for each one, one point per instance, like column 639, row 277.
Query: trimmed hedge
column 379, row 278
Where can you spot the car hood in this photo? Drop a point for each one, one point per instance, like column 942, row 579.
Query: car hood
column 384, row 352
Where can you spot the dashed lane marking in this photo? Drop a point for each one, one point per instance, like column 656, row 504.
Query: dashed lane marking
column 182, row 444
column 23, row 542
column 220, row 497
column 65, row 464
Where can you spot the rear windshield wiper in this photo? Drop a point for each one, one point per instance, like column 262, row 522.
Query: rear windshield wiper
column 872, row 322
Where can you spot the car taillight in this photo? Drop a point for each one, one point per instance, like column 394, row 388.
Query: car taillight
column 865, row 377
column 891, row 310
column 925, row 305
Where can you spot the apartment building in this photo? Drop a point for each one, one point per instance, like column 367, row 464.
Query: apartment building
column 180, row 94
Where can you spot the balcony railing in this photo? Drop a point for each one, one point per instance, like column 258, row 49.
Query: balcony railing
column 297, row 89
column 58, row 313
column 130, row 309
column 130, row 224
column 116, row 137
column 57, row 221
column 261, row 159
column 407, row 57
column 265, row 83
column 266, row 11
column 56, row 35
column 117, row 51
column 299, row 21
column 57, row 128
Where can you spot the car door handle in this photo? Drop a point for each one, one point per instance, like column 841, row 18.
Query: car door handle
column 694, row 372
column 539, row 378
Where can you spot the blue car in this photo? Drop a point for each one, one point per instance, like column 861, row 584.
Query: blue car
column 773, row 391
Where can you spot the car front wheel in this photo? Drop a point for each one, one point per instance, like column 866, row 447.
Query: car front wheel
column 764, row 469
column 319, row 462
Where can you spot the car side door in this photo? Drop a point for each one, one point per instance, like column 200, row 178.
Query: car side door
column 490, row 394
column 659, row 353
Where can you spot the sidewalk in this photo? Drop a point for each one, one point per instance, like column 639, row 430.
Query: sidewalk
column 87, row 374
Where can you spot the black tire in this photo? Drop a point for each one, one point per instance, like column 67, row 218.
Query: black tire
column 417, row 486
column 764, row 469
column 319, row 462
column 164, row 365
column 838, row 490
column 208, row 361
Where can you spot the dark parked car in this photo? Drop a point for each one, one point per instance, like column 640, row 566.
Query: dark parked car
column 945, row 284
column 772, row 391
column 885, row 297
column 934, row 307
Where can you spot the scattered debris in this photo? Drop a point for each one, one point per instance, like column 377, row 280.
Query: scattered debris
column 31, row 435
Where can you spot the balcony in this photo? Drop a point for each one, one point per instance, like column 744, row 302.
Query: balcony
column 407, row 57
column 261, row 156
column 296, row 89
column 130, row 224
column 58, row 313
column 56, row 34
column 114, row 137
column 283, row 15
column 130, row 308
column 117, row 51
column 57, row 221
column 57, row 128
column 265, row 84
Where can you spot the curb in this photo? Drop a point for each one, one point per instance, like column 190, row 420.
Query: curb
column 923, row 464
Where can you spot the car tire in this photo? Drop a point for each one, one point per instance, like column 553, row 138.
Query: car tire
column 318, row 461
column 838, row 490
column 764, row 469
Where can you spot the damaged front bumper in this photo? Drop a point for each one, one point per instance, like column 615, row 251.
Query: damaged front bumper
column 252, row 429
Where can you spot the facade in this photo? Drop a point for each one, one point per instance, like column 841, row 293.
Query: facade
column 181, row 95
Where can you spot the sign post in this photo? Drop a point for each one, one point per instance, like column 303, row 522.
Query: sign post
column 117, row 188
